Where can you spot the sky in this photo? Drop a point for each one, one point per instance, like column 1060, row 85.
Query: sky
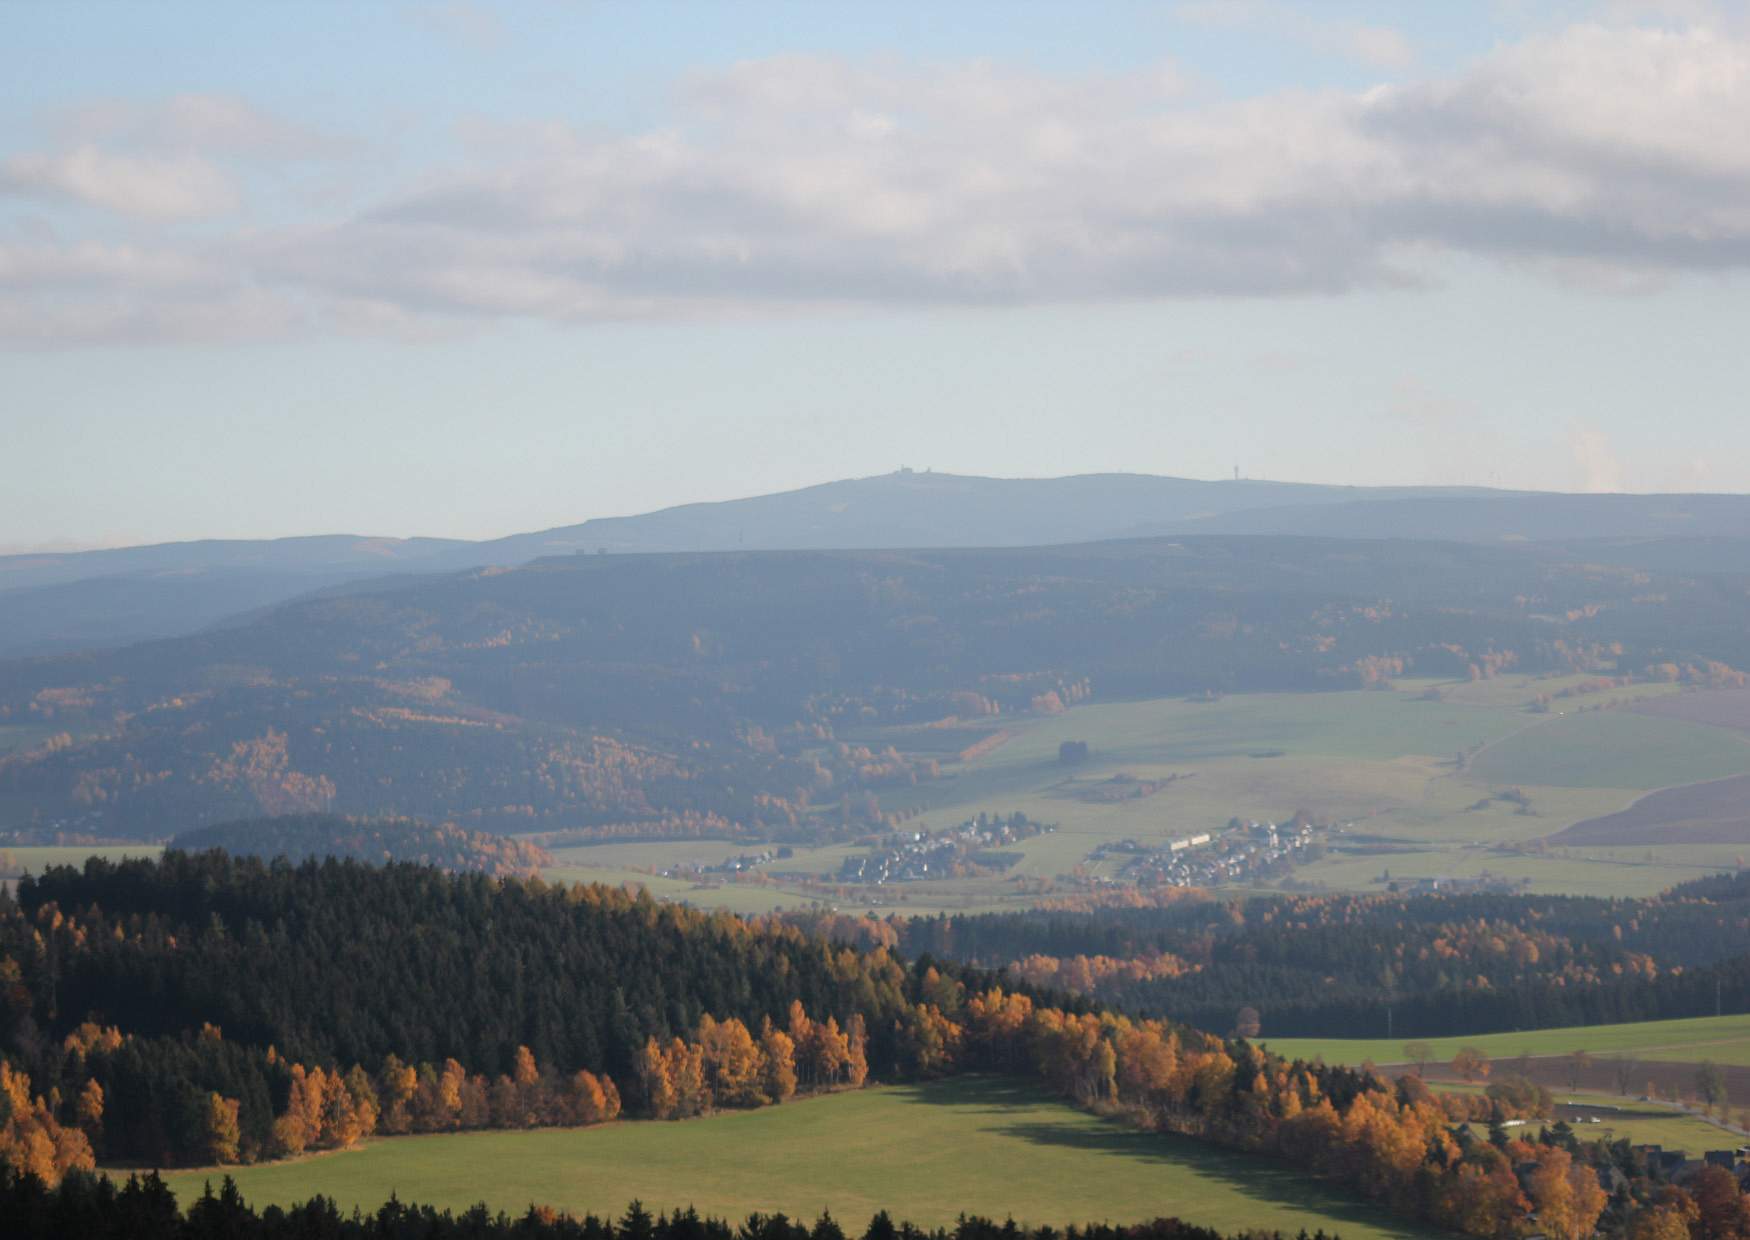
column 466, row 269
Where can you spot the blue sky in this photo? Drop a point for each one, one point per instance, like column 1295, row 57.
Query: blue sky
column 467, row 269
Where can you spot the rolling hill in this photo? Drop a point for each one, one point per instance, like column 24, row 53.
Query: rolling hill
column 743, row 694
column 51, row 603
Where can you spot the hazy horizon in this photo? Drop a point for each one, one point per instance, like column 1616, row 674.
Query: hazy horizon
column 54, row 546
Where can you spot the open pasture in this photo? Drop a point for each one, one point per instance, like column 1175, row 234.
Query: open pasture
column 1722, row 1039
column 1623, row 872
column 35, row 859
column 1720, row 708
column 20, row 736
column 1641, row 1123
column 1613, row 749
column 1519, row 692
column 924, row 1153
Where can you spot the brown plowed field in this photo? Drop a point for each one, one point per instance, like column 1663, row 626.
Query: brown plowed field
column 1551, row 1071
column 1716, row 812
column 1723, row 708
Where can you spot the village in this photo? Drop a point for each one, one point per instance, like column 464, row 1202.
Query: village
column 1242, row 851
column 914, row 856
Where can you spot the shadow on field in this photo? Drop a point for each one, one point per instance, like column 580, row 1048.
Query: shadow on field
column 1266, row 1179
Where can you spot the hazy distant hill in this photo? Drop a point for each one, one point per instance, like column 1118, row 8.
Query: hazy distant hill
column 93, row 599
column 732, row 694
column 909, row 509
column 54, row 603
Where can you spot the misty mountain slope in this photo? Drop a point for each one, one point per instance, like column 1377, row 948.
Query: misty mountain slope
column 721, row 693
column 96, row 599
column 132, row 594
column 103, row 599
column 910, row 509
column 108, row 612
column 314, row 554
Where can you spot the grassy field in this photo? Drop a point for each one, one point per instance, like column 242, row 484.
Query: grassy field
column 1641, row 1123
column 38, row 858
column 1516, row 692
column 20, row 736
column 1722, row 1039
column 925, row 1153
column 1614, row 749
column 1594, row 871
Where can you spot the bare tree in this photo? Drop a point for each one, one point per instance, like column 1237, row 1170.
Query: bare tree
column 1710, row 1084
column 1577, row 1063
column 1419, row 1053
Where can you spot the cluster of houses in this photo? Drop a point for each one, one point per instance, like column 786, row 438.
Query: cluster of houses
column 1676, row 1167
column 1244, row 851
column 1671, row 1166
column 918, row 855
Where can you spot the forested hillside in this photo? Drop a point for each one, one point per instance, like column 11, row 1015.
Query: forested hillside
column 1335, row 965
column 734, row 695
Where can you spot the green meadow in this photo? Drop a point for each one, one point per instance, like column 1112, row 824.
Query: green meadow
column 20, row 736
column 923, row 1152
column 1614, row 749
column 37, row 858
column 1722, row 1039
column 1646, row 1124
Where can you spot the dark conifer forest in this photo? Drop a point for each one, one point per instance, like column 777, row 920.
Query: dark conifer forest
column 1332, row 965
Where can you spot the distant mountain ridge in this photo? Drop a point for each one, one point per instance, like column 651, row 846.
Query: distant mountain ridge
column 55, row 603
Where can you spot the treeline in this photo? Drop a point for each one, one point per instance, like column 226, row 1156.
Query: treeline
column 725, row 1066
column 376, row 840
column 1333, row 966
column 181, row 1100
column 166, row 1101
column 87, row 1208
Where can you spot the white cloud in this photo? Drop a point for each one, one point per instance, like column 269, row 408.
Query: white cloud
column 206, row 124
column 1609, row 155
column 162, row 186
column 89, row 264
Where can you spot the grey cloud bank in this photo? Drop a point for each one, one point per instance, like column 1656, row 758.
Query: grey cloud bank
column 800, row 182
